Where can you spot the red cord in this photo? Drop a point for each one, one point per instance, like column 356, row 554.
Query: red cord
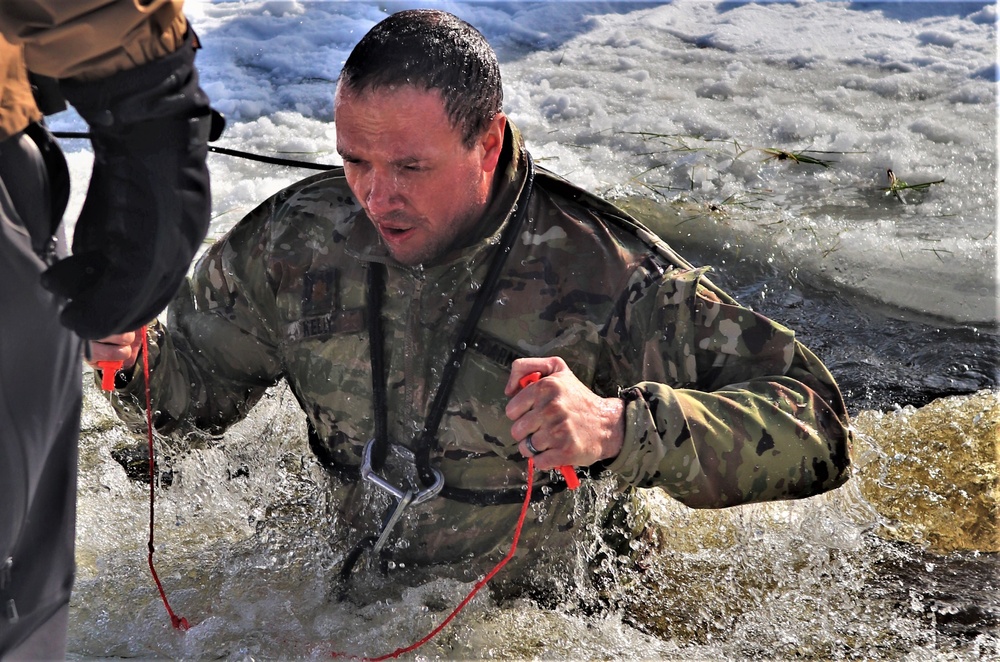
column 179, row 623
column 480, row 584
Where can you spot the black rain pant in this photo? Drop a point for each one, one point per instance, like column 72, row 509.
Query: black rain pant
column 40, row 401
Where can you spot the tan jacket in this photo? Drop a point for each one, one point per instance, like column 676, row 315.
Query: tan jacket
column 85, row 39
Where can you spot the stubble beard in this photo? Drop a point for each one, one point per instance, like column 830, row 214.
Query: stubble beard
column 462, row 233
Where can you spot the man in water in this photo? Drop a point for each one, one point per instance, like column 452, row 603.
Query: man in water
column 442, row 309
column 128, row 68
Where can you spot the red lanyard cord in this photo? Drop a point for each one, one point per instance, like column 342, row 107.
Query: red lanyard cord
column 108, row 370
column 181, row 623
column 479, row 585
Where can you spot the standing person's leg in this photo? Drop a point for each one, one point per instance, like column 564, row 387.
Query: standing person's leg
column 40, row 400
column 47, row 642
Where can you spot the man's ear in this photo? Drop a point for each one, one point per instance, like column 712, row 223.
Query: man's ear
column 491, row 142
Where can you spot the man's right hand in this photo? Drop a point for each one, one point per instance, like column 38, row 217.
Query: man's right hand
column 122, row 347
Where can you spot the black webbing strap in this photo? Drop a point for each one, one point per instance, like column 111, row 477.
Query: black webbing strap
column 427, row 439
column 376, row 342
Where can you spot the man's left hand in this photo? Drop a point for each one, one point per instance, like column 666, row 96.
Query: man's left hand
column 568, row 423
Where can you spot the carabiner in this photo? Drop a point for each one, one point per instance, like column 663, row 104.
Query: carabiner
column 373, row 478
column 404, row 498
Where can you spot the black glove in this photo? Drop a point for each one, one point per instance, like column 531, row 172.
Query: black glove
column 148, row 205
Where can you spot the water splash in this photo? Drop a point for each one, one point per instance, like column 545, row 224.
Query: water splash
column 249, row 547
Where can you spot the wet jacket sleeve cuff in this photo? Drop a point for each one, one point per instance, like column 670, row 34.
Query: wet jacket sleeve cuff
column 643, row 449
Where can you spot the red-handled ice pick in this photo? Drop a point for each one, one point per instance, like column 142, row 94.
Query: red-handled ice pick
column 572, row 481
column 108, row 371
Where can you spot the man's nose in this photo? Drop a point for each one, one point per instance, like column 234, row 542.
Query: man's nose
column 383, row 193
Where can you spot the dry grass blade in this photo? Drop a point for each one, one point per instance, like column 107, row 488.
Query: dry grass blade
column 799, row 157
column 897, row 186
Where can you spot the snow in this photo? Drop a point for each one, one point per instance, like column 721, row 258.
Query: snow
column 675, row 103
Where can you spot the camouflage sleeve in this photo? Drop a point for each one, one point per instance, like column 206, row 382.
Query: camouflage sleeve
column 733, row 409
column 217, row 354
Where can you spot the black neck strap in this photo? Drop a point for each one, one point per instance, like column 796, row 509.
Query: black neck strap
column 376, row 286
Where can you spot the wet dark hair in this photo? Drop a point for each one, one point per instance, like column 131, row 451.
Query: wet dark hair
column 432, row 50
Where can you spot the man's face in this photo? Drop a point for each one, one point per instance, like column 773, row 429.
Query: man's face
column 422, row 188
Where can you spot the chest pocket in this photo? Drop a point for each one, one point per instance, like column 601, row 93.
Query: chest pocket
column 476, row 422
column 477, row 419
column 326, row 353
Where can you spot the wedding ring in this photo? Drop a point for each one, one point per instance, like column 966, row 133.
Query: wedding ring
column 532, row 449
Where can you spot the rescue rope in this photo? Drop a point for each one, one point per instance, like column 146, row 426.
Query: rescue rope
column 273, row 160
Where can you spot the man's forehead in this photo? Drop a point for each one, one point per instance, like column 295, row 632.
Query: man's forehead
column 406, row 122
column 377, row 94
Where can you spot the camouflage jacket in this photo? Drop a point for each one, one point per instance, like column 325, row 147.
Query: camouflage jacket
column 726, row 408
